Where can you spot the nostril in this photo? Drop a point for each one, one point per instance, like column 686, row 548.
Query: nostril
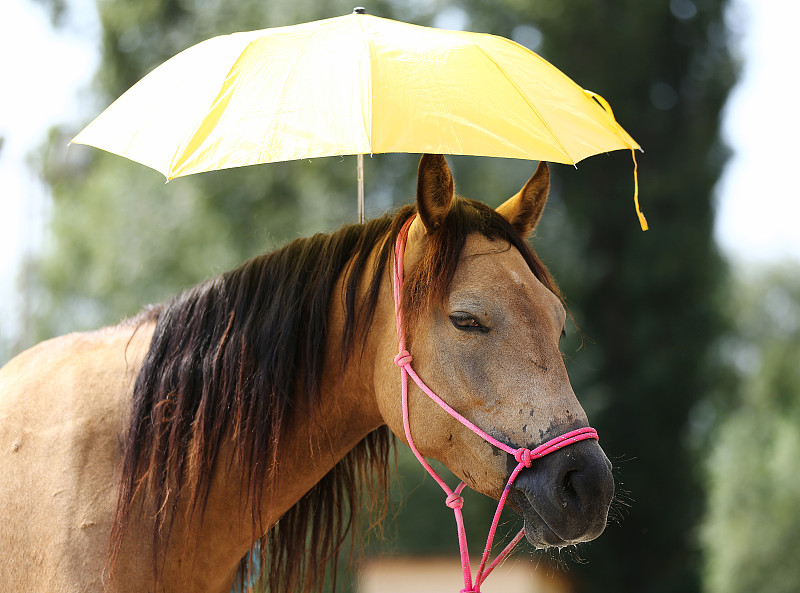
column 584, row 487
column 570, row 491
column 569, row 486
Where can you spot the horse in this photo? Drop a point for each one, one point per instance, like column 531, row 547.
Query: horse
column 224, row 438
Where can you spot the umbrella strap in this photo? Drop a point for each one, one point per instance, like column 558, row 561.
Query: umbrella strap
column 642, row 219
column 607, row 108
column 454, row 500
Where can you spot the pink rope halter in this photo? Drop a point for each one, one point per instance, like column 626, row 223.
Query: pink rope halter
column 454, row 500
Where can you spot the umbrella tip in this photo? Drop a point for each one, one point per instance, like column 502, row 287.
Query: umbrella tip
column 359, row 10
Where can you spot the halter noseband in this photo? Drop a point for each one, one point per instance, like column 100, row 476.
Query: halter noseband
column 523, row 456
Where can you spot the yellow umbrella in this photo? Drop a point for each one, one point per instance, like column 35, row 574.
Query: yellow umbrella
column 355, row 84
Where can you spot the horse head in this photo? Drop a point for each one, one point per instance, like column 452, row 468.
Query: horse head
column 483, row 321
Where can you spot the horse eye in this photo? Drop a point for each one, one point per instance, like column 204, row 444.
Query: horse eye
column 466, row 322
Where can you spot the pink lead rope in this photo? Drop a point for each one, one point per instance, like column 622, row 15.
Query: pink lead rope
column 454, row 500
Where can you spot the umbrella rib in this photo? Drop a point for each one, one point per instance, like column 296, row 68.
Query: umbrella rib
column 180, row 156
column 530, row 105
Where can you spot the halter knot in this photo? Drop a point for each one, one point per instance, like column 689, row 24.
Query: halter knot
column 403, row 358
column 524, row 456
column 454, row 501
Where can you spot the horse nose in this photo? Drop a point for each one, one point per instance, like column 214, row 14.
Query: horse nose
column 570, row 491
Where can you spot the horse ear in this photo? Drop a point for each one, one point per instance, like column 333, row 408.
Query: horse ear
column 525, row 209
column 435, row 190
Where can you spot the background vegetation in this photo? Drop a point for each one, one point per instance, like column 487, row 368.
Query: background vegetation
column 751, row 533
column 674, row 357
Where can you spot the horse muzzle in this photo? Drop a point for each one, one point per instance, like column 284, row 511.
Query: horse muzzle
column 565, row 497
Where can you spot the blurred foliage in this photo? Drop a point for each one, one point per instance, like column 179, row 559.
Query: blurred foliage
column 648, row 304
column 752, row 529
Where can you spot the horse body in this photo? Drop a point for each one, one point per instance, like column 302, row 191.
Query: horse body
column 62, row 404
column 484, row 332
column 63, row 408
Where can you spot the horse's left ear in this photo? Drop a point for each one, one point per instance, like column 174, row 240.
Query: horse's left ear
column 525, row 209
column 435, row 190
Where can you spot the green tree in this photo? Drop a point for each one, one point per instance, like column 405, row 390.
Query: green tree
column 751, row 532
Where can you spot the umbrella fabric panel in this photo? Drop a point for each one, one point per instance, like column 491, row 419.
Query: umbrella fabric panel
column 154, row 117
column 447, row 96
column 581, row 125
column 295, row 92
column 483, row 95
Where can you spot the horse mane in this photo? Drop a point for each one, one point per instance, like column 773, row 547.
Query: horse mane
column 235, row 357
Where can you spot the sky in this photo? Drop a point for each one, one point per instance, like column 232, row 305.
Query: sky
column 758, row 195
column 45, row 75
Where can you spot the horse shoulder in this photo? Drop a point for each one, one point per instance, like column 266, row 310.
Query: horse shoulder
column 62, row 407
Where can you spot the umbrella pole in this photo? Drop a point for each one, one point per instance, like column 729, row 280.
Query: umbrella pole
column 360, row 175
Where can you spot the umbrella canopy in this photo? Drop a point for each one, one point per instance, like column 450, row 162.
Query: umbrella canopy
column 355, row 84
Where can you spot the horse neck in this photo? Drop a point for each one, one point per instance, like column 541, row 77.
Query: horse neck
column 317, row 439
